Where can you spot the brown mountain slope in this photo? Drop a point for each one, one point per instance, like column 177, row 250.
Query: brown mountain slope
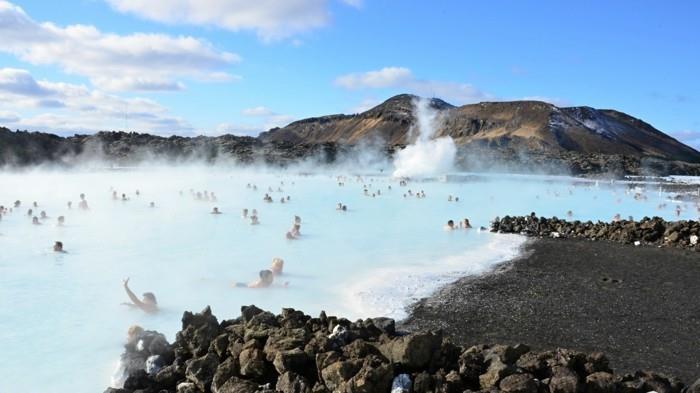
column 522, row 125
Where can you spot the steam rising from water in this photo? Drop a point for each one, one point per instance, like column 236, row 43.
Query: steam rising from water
column 427, row 156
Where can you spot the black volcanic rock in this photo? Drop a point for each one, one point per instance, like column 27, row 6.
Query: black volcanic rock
column 371, row 360
column 648, row 231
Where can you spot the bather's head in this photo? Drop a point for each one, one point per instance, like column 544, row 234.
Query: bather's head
column 149, row 298
column 277, row 266
column 266, row 277
column 133, row 334
column 58, row 246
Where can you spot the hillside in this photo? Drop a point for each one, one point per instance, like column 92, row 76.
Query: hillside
column 521, row 125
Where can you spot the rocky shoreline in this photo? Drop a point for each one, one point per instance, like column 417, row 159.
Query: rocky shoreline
column 293, row 352
column 648, row 231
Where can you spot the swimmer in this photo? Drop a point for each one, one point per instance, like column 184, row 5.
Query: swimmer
column 18, row 203
column 449, row 198
column 244, row 213
column 569, row 213
column 148, row 303
column 114, row 195
column 466, row 224
column 124, row 198
column 58, row 247
column 152, row 204
column 35, row 220
column 29, row 212
column 61, row 221
column 43, row 215
column 70, row 205
column 297, row 220
column 282, row 200
column 36, row 204
column 215, row 210
column 264, row 281
column 450, row 225
column 254, row 220
column 339, row 206
column 345, row 208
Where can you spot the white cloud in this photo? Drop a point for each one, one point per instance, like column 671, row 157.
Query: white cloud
column 7, row 117
column 269, row 19
column 386, row 77
column 265, row 120
column 137, row 61
column 70, row 108
column 403, row 78
column 257, row 111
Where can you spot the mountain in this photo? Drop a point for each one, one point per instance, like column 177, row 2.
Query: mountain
column 516, row 136
column 531, row 126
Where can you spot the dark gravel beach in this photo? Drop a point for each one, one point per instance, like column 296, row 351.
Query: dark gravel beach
column 639, row 305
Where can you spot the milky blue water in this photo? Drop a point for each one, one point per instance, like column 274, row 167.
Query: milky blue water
column 61, row 323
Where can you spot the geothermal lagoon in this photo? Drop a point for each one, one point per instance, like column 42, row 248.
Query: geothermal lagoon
column 375, row 259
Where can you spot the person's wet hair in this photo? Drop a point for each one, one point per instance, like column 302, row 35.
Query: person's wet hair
column 149, row 296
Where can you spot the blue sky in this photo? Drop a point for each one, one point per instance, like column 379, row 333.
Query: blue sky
column 188, row 67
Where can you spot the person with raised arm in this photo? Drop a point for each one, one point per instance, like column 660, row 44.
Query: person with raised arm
column 147, row 304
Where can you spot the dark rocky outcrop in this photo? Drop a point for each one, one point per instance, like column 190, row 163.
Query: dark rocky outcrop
column 648, row 231
column 295, row 353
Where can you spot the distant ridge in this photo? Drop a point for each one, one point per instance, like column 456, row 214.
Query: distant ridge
column 516, row 136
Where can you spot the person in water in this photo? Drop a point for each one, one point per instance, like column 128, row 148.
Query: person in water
column 215, row 210
column 450, row 225
column 35, row 220
column 58, row 247
column 61, row 221
column 466, row 224
column 148, row 303
column 277, row 266
column 264, row 281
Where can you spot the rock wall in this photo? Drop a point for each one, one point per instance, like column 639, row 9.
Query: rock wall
column 295, row 353
column 649, row 231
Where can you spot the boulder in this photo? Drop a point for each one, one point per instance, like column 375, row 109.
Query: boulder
column 601, row 382
column 336, row 375
column 294, row 360
column 564, row 380
column 252, row 363
column 413, row 351
column 518, row 383
column 200, row 371
column 198, row 330
column 290, row 382
column 238, row 385
column 496, row 371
